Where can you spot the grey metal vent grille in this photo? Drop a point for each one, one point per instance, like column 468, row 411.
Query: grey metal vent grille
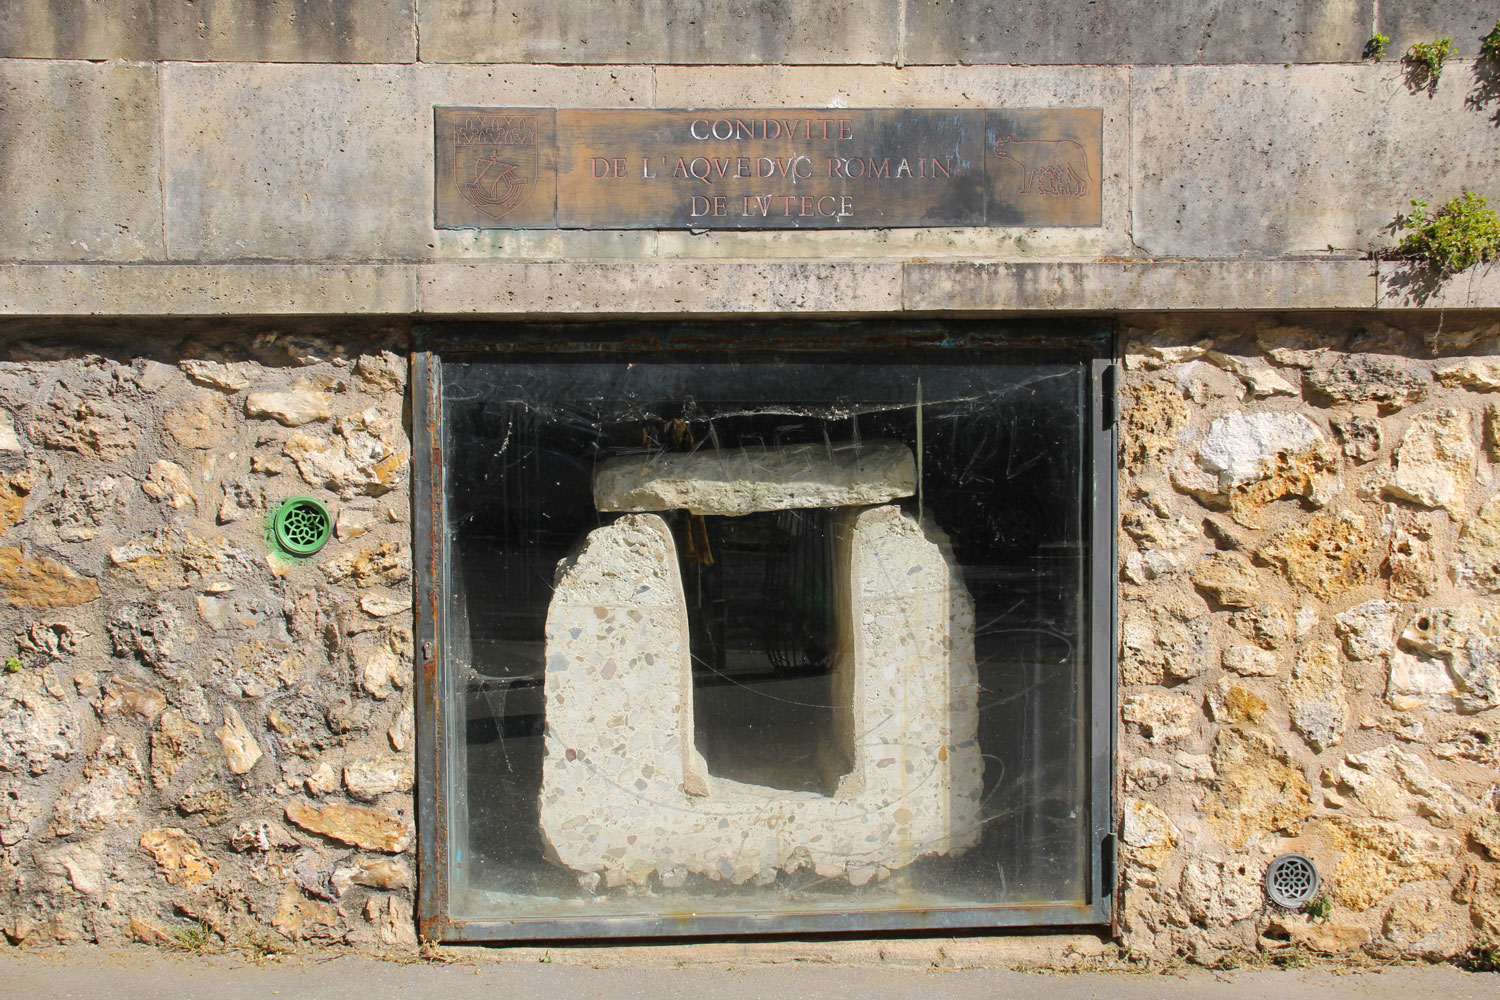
column 1292, row 881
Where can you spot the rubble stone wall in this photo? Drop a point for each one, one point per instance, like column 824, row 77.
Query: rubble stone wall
column 1309, row 638
column 200, row 741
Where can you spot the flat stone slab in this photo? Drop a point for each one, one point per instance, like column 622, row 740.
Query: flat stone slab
column 746, row 480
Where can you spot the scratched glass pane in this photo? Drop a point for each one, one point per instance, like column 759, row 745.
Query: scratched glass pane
column 737, row 709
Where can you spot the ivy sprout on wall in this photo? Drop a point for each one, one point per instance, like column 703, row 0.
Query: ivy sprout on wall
column 1375, row 47
column 1459, row 235
column 1424, row 61
column 1489, row 46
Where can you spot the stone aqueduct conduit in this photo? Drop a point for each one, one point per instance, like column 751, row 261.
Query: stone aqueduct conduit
column 625, row 794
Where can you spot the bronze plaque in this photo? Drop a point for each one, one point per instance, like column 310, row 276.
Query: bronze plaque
column 826, row 168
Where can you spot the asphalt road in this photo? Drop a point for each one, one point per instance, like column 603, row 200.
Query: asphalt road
column 142, row 974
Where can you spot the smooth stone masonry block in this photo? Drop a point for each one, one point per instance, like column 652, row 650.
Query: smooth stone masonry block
column 1407, row 285
column 332, row 162
column 206, row 30
column 80, row 155
column 1146, row 285
column 1465, row 21
column 1267, row 160
column 1106, row 88
column 749, row 479
column 662, row 31
column 625, row 794
column 1137, row 31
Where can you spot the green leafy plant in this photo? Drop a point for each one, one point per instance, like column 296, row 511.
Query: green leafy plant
column 1459, row 235
column 1426, row 60
column 12, row 665
column 1319, row 908
column 1375, row 47
column 1490, row 46
column 1483, row 956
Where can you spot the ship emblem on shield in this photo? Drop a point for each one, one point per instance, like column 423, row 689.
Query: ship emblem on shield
column 495, row 161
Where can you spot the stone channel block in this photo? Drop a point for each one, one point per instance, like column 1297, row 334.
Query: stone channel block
column 332, row 162
column 80, row 155
column 1137, row 31
column 378, row 31
column 1465, row 21
column 625, row 794
column 1269, row 160
column 661, row 31
column 749, row 479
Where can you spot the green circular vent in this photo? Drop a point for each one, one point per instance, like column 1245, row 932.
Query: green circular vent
column 301, row 525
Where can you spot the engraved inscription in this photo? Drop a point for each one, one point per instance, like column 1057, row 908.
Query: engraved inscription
column 538, row 168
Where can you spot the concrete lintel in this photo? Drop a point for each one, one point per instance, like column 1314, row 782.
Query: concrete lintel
column 526, row 289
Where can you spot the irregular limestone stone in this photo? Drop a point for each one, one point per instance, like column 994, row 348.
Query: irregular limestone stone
column 81, row 864
column 1267, row 625
column 36, row 729
column 240, row 748
column 351, row 523
column 1149, row 834
column 1161, row 643
column 90, row 424
column 323, row 781
column 619, row 710
column 179, row 857
column 10, row 442
column 1293, row 346
column 230, row 376
column 1160, row 717
column 1259, row 378
column 749, row 479
column 155, row 632
column 1228, row 578
column 1153, row 525
column 1216, row 893
column 37, row 581
column 1362, row 437
column 392, row 920
column 1153, row 416
column 1476, row 560
column 1450, row 659
column 261, row 836
column 124, row 698
column 1434, row 461
column 202, row 422
column 1379, row 855
column 371, row 829
column 400, row 732
column 1257, row 791
column 1492, row 431
column 1390, row 783
column 379, row 669
column 1474, row 742
column 299, row 917
column 367, row 780
column 378, row 873
column 1251, row 661
column 383, row 603
column 173, row 742
column 291, row 409
column 385, row 564
column 1368, row 630
column 82, row 507
column 108, row 794
column 1326, row 555
column 52, row 640
column 168, row 482
column 175, row 557
column 367, row 455
column 1332, row 937
column 1415, row 928
column 1364, row 378
column 15, row 487
column 1479, row 374
column 1143, row 567
column 1411, row 561
column 380, row 373
column 1244, row 463
column 1316, row 699
column 1231, row 703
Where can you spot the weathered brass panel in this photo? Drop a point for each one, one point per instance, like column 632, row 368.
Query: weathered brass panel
column 827, row 168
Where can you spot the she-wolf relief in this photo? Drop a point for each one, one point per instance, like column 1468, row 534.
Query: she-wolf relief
column 626, row 795
column 1049, row 167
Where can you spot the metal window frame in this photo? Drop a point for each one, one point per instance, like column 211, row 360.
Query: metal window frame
column 1094, row 342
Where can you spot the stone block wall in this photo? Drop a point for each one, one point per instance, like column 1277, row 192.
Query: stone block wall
column 195, row 733
column 1309, row 638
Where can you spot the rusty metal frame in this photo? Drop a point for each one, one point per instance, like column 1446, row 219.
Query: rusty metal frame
column 1092, row 339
